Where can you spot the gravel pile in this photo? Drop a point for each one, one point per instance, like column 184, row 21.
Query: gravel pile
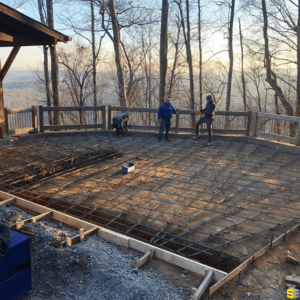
column 92, row 269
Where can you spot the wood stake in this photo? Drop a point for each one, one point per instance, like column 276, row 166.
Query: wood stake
column 203, row 286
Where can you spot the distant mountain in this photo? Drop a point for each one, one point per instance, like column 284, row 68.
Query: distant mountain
column 18, row 75
column 24, row 84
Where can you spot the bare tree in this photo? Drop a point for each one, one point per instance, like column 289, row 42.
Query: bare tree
column 163, row 53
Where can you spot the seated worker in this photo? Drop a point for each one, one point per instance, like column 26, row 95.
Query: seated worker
column 208, row 118
column 120, row 122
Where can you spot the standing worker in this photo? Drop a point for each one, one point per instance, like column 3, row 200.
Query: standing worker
column 164, row 115
column 208, row 118
column 120, row 122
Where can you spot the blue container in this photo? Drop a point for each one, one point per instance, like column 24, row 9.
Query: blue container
column 128, row 168
column 15, row 268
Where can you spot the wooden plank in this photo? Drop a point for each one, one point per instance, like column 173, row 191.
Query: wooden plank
column 278, row 117
column 203, row 286
column 221, row 131
column 20, row 130
column 35, row 219
column 72, row 108
column 9, row 61
column 73, row 127
column 78, row 238
column 244, row 265
column 137, row 109
column 285, row 139
column 34, row 119
column 249, row 121
column 41, row 118
column 254, row 124
column 8, row 201
column 298, row 135
column 23, row 20
column 19, row 110
column 103, row 116
column 6, row 121
column 109, row 119
column 147, row 257
column 218, row 113
column 119, row 239
column 177, row 121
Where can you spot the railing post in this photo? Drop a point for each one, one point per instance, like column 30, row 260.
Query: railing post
column 103, row 115
column 1, row 133
column 254, row 123
column 109, row 117
column 41, row 118
column 34, row 119
column 249, row 121
column 298, row 134
column 6, row 130
column 177, row 121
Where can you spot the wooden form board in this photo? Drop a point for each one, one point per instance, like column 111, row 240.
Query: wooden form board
column 249, row 261
column 119, row 239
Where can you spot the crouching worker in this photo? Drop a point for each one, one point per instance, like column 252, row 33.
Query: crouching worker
column 208, row 118
column 120, row 122
column 164, row 115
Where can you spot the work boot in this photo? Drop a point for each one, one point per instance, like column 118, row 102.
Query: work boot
column 209, row 143
column 168, row 140
column 196, row 137
column 160, row 141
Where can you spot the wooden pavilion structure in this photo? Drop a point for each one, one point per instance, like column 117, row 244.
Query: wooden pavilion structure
column 17, row 30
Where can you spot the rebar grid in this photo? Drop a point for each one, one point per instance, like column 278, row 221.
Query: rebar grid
column 178, row 198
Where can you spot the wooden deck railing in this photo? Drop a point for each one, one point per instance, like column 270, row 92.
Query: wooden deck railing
column 275, row 127
column 146, row 119
column 21, row 120
column 73, row 117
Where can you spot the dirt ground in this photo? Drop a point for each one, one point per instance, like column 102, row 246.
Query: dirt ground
column 218, row 205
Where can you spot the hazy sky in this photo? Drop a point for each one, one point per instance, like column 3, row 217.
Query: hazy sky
column 32, row 57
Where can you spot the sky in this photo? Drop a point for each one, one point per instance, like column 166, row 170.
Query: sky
column 32, row 57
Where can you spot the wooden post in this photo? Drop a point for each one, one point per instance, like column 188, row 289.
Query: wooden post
column 109, row 117
column 1, row 133
column 177, row 121
column 254, row 123
column 6, row 121
column 298, row 134
column 203, row 285
column 103, row 115
column 41, row 118
column 249, row 121
column 34, row 119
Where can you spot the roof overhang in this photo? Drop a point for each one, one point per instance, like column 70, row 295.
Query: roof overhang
column 16, row 29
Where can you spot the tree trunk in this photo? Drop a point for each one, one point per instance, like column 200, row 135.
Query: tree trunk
column 230, row 39
column 163, row 53
column 243, row 74
column 54, row 65
column 271, row 76
column 46, row 65
column 118, row 57
column 94, row 62
column 190, row 60
column 298, row 64
column 200, row 56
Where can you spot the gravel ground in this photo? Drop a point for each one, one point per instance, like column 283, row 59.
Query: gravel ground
column 92, row 269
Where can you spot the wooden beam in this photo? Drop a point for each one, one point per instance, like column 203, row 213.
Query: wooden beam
column 250, row 260
column 78, row 238
column 2, row 111
column 9, row 61
column 72, row 127
column 6, row 37
column 298, row 135
column 147, row 257
column 120, row 239
column 8, row 201
column 19, row 110
column 276, row 137
column 203, row 286
column 278, row 117
column 23, row 20
column 35, row 219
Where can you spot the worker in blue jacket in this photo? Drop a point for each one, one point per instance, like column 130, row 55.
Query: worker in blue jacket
column 164, row 115
column 208, row 118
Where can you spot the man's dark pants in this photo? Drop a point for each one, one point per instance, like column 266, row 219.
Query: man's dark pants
column 117, row 126
column 165, row 124
column 208, row 122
